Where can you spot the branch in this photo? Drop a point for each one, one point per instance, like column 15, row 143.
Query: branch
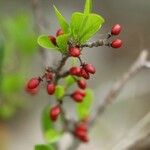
column 135, row 137
column 139, row 64
column 98, row 43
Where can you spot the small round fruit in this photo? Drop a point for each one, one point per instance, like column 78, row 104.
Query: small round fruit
column 51, row 88
column 90, row 68
column 33, row 83
column 31, row 91
column 82, row 84
column 74, row 52
column 75, row 71
column 84, row 74
column 82, row 127
column 116, row 29
column 54, row 113
column 81, row 134
column 116, row 43
column 77, row 97
column 52, row 39
column 59, row 32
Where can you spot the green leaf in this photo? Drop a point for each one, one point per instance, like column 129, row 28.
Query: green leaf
column 75, row 25
column 62, row 21
column 62, row 42
column 93, row 24
column 60, row 92
column 69, row 80
column 52, row 136
column 88, row 7
column 43, row 147
column 83, row 109
column 44, row 42
column 47, row 124
column 83, row 27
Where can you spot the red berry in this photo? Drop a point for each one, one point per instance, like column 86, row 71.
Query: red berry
column 31, row 91
column 48, row 75
column 51, row 88
column 74, row 52
column 77, row 97
column 33, row 83
column 82, row 84
column 90, row 68
column 82, row 127
column 59, row 32
column 52, row 39
column 54, row 113
column 82, row 92
column 116, row 29
column 84, row 138
column 81, row 133
column 84, row 74
column 116, row 43
column 75, row 71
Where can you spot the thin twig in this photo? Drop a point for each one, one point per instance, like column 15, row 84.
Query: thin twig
column 139, row 64
column 98, row 43
column 135, row 136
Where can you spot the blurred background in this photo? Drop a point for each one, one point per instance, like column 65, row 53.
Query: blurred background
column 123, row 121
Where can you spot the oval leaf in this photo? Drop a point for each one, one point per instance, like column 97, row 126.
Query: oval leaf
column 44, row 42
column 52, row 136
column 69, row 80
column 62, row 42
column 83, row 26
column 47, row 124
column 83, row 109
column 60, row 92
column 93, row 24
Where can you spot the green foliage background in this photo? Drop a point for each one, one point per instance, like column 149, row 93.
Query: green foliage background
column 17, row 45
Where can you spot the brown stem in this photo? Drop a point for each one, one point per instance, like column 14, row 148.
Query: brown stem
column 139, row 64
column 96, row 43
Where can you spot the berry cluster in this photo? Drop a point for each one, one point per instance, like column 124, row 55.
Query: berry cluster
column 116, row 29
column 79, row 73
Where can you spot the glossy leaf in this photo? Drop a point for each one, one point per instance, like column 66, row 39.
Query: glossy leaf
column 60, row 91
column 83, row 27
column 44, row 42
column 83, row 109
column 43, row 147
column 62, row 21
column 52, row 136
column 47, row 124
column 93, row 24
column 69, row 80
column 76, row 23
column 88, row 7
column 62, row 42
